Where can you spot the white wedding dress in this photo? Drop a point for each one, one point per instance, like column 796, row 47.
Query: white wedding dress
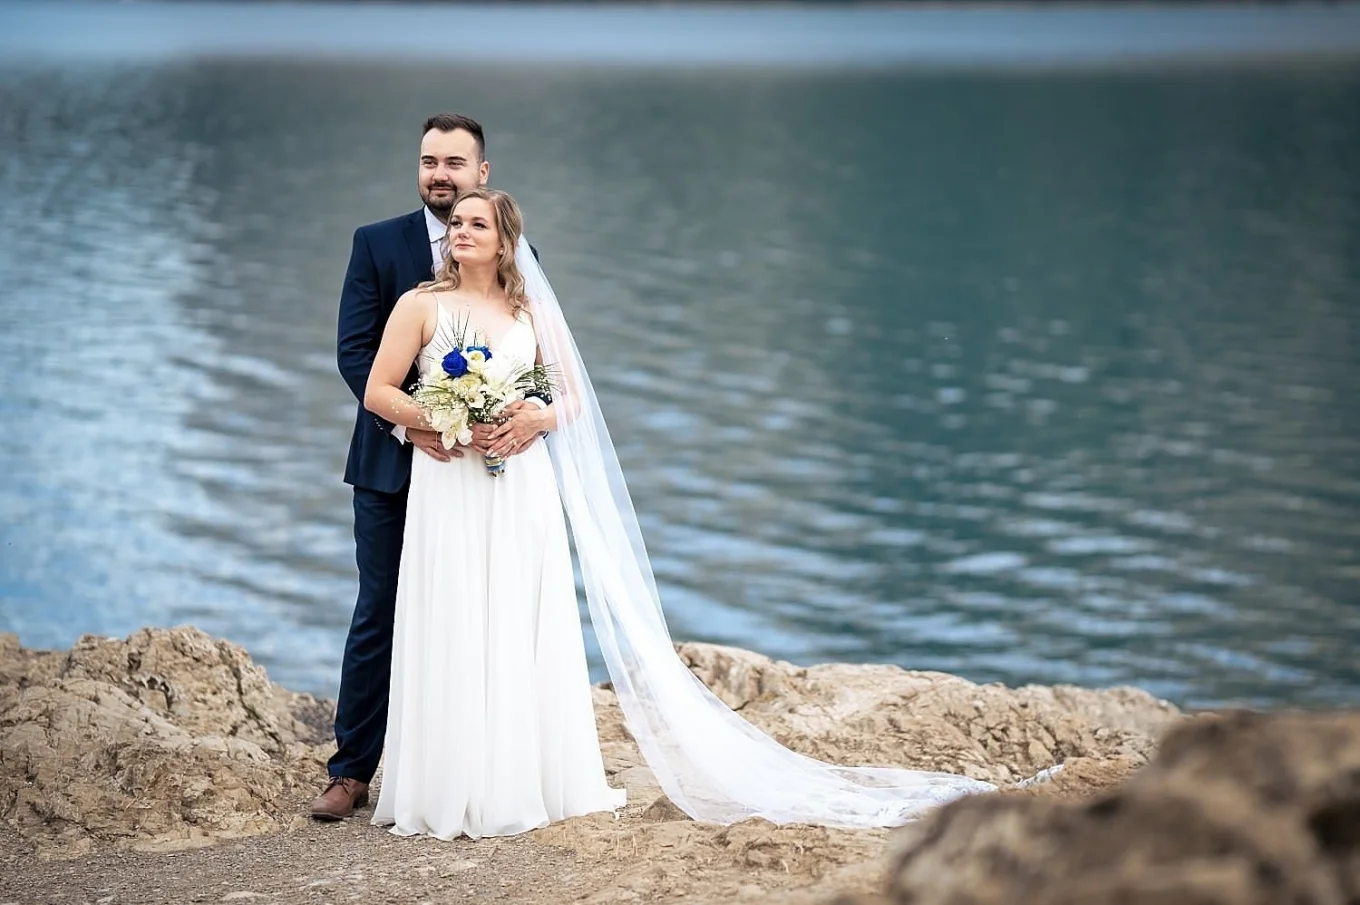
column 490, row 727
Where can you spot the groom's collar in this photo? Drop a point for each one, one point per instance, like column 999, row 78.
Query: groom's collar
column 434, row 226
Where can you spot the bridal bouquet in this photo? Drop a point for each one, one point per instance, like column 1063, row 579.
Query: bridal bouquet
column 472, row 386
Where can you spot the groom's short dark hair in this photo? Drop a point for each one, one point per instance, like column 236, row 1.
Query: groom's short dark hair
column 452, row 122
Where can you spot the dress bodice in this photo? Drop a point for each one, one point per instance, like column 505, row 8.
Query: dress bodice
column 518, row 342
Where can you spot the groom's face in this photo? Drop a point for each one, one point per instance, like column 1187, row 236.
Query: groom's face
column 449, row 163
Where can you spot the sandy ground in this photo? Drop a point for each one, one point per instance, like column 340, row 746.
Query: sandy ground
column 620, row 860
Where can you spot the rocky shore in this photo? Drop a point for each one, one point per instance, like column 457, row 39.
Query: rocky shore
column 166, row 768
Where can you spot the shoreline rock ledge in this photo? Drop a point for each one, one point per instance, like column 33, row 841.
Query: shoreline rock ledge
column 171, row 740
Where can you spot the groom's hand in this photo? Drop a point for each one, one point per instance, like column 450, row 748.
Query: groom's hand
column 428, row 441
column 481, row 438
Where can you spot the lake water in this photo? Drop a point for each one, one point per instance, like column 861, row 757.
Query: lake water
column 1022, row 371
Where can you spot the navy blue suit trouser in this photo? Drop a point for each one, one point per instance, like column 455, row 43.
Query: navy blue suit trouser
column 366, row 674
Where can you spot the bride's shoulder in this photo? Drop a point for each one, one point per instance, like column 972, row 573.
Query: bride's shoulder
column 423, row 294
column 421, row 298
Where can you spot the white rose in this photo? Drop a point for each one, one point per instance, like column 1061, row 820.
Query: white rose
column 466, row 385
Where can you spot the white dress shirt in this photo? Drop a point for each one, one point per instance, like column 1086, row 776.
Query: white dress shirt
column 439, row 246
column 439, row 232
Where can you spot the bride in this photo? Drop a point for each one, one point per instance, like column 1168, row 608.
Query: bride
column 490, row 728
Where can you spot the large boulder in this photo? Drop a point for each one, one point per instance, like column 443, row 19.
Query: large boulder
column 885, row 715
column 167, row 738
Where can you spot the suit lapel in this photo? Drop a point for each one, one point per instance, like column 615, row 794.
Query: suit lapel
column 418, row 242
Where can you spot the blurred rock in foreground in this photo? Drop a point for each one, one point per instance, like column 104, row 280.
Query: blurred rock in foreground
column 1238, row 808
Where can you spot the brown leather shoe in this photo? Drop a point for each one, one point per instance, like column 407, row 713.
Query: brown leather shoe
column 341, row 797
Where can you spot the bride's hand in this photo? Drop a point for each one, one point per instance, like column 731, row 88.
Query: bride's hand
column 518, row 431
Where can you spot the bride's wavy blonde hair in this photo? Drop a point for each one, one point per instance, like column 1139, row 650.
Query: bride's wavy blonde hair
column 510, row 225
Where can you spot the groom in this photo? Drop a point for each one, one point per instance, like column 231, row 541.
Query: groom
column 388, row 259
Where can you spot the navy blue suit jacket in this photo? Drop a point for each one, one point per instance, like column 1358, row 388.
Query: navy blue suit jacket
column 388, row 259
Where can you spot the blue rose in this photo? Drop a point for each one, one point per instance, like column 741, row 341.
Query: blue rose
column 483, row 349
column 455, row 365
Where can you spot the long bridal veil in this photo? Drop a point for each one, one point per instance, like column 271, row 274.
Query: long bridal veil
column 709, row 761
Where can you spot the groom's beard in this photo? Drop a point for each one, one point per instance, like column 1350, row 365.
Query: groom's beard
column 443, row 205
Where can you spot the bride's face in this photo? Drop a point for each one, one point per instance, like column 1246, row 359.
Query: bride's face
column 474, row 234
